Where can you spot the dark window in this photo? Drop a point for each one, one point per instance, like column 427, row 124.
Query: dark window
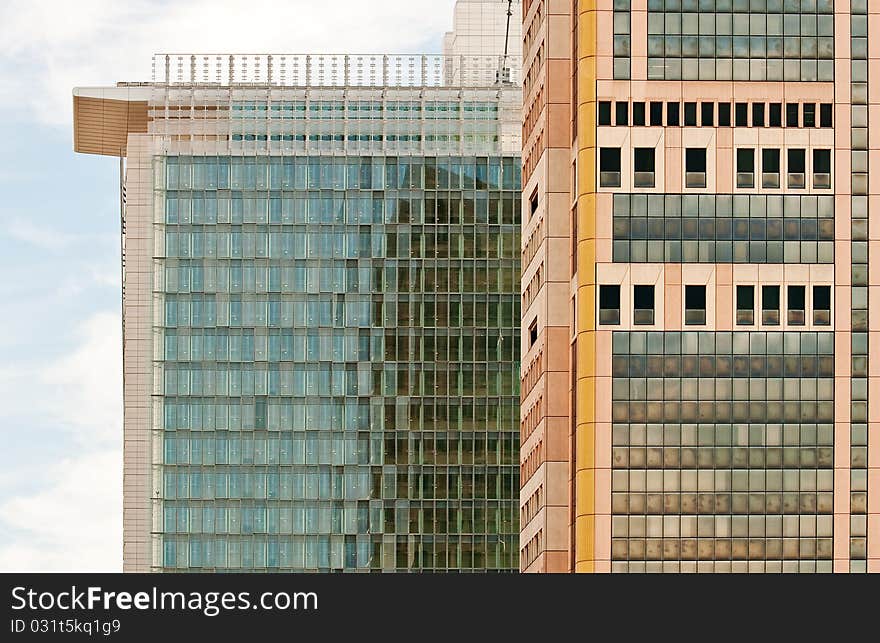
column 770, row 305
column 695, row 305
column 822, row 169
column 745, row 167
column 797, row 305
column 770, row 168
column 723, row 114
column 797, row 167
column 690, row 114
column 533, row 332
column 822, row 305
column 604, row 112
column 609, row 305
column 822, row 161
column 533, row 202
column 745, row 305
column 643, row 305
column 742, row 114
column 656, row 113
column 695, row 167
column 809, row 114
column 609, row 167
column 643, row 167
column 639, row 113
column 770, row 160
column 758, row 115
column 707, row 114
column 672, row 114
column 775, row 114
column 622, row 113
column 826, row 115
column 792, row 115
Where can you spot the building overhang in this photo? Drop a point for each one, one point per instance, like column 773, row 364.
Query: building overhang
column 103, row 117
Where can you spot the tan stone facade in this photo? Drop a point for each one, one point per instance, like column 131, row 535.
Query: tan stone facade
column 778, row 138
column 546, row 475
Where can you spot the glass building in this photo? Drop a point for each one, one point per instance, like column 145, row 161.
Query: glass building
column 321, row 312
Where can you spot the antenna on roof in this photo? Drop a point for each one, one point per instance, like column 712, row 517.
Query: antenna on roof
column 502, row 76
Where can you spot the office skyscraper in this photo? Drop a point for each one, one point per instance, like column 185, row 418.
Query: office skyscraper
column 321, row 313
column 698, row 307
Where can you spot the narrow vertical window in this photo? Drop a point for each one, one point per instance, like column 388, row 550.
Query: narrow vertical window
column 695, row 167
column 604, row 112
column 643, row 305
column 770, row 305
column 745, row 167
column 609, row 167
column 695, row 305
column 638, row 113
column 822, row 169
column 723, row 114
column 770, row 168
column 656, row 114
column 821, row 305
column 797, row 305
column 643, row 167
column 609, row 305
column 745, row 305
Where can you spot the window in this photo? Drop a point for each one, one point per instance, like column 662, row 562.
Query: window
column 533, row 202
column 742, row 114
column 770, row 168
column 809, row 114
column 797, row 307
column 775, row 114
column 656, row 113
column 622, row 113
column 643, row 305
column 609, row 167
column 690, row 114
column 639, row 113
column 707, row 114
column 797, row 162
column 822, row 169
column 826, row 111
column 695, row 167
column 745, row 305
column 609, row 305
column 792, row 114
column 745, row 167
column 758, row 115
column 770, row 305
column 604, row 112
column 695, row 305
column 672, row 114
column 643, row 166
column 822, row 305
column 533, row 332
column 723, row 114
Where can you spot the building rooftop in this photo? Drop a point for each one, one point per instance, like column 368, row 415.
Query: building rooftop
column 335, row 70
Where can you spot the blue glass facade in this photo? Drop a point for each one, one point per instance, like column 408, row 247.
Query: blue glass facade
column 339, row 362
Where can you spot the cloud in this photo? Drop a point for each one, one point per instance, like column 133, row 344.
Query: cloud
column 77, row 394
column 65, row 514
column 74, row 523
column 41, row 236
column 86, row 385
column 48, row 47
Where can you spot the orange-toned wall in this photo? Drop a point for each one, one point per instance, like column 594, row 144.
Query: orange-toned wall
column 545, row 460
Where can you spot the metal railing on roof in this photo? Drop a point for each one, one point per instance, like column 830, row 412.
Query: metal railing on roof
column 334, row 70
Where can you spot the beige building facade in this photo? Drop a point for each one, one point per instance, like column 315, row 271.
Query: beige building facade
column 698, row 307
